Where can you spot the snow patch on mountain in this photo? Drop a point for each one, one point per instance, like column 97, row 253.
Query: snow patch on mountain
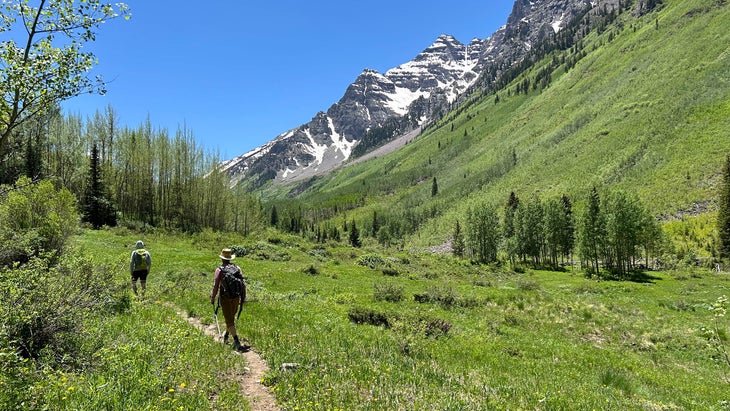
column 440, row 74
column 340, row 142
column 557, row 24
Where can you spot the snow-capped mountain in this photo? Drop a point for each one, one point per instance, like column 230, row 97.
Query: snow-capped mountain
column 435, row 78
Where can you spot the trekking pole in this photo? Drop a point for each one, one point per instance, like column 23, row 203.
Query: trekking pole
column 242, row 299
column 215, row 314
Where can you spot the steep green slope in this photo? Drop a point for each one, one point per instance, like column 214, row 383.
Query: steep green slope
column 646, row 109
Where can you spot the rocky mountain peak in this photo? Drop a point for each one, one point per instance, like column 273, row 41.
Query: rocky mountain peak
column 415, row 90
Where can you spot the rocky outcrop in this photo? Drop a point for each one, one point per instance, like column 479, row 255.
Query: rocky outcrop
column 416, row 90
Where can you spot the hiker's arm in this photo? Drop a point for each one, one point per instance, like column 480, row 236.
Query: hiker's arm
column 216, row 284
column 149, row 262
column 131, row 263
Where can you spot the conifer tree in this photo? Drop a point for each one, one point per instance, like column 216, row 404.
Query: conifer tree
column 434, row 188
column 376, row 224
column 274, row 217
column 354, row 235
column 723, row 212
column 98, row 210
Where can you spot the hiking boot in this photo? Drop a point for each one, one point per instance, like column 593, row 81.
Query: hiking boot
column 225, row 337
column 241, row 346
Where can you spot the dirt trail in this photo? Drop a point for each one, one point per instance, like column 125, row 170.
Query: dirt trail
column 260, row 397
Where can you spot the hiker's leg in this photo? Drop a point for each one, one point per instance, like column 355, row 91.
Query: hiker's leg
column 230, row 313
column 143, row 281
column 135, row 277
column 228, row 305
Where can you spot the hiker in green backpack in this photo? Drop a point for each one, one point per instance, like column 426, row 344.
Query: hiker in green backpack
column 139, row 265
column 230, row 282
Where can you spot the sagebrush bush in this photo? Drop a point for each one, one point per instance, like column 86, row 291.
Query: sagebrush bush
column 444, row 296
column 388, row 292
column 362, row 315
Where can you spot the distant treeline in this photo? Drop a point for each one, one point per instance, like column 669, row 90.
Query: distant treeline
column 133, row 176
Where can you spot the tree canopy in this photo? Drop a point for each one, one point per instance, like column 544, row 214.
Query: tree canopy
column 43, row 61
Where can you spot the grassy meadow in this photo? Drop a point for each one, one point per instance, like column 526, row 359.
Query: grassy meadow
column 452, row 336
column 389, row 326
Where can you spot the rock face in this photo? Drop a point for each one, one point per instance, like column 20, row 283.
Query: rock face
column 415, row 91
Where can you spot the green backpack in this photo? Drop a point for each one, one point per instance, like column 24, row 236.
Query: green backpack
column 140, row 260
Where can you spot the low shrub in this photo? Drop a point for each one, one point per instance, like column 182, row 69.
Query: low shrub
column 362, row 315
column 45, row 306
column 437, row 327
column 388, row 292
column 371, row 260
column 311, row 270
column 527, row 285
column 320, row 253
column 262, row 251
column 444, row 296
column 239, row 250
column 36, row 220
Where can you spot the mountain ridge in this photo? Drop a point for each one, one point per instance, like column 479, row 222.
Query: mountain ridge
column 414, row 93
column 639, row 103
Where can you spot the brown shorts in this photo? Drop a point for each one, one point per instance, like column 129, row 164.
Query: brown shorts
column 230, row 307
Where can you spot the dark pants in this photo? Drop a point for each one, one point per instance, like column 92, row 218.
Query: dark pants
column 140, row 274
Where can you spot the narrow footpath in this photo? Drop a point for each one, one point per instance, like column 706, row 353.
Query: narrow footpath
column 259, row 395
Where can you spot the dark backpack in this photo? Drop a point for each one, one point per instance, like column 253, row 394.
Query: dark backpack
column 232, row 285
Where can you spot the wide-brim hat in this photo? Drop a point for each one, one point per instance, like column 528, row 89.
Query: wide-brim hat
column 227, row 254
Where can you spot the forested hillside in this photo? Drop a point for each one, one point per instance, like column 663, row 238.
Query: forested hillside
column 640, row 103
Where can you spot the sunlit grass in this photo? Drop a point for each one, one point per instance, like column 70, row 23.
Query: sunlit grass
column 538, row 340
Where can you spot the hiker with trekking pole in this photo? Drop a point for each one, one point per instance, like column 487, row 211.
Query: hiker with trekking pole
column 229, row 281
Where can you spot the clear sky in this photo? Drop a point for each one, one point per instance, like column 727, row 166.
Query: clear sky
column 240, row 72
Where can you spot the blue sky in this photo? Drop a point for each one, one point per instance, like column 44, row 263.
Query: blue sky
column 238, row 73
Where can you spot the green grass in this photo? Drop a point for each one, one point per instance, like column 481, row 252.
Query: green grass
column 646, row 112
column 538, row 340
column 147, row 357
